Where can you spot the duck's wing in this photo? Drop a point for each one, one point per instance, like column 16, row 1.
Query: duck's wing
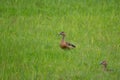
column 69, row 44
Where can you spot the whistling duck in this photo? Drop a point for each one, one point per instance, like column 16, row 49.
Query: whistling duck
column 104, row 63
column 64, row 44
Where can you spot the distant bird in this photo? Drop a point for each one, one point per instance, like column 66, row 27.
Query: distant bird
column 104, row 63
column 64, row 44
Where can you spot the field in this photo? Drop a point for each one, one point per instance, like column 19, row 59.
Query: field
column 29, row 40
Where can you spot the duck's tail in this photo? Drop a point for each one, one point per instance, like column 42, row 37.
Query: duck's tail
column 73, row 45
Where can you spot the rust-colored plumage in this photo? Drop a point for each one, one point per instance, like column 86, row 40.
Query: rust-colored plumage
column 64, row 44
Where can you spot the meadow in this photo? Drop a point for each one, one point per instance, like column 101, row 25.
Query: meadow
column 29, row 40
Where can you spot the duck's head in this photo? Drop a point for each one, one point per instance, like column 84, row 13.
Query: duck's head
column 103, row 63
column 62, row 33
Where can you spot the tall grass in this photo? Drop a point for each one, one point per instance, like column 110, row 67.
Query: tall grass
column 29, row 40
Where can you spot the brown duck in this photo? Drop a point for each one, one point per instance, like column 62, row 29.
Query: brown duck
column 64, row 44
column 104, row 63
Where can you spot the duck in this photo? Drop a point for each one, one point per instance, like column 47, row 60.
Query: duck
column 64, row 44
column 104, row 63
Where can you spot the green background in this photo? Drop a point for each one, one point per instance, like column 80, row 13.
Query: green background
column 29, row 40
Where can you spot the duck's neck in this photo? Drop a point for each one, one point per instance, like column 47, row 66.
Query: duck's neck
column 105, row 67
column 63, row 37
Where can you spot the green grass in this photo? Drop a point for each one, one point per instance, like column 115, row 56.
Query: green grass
column 29, row 40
